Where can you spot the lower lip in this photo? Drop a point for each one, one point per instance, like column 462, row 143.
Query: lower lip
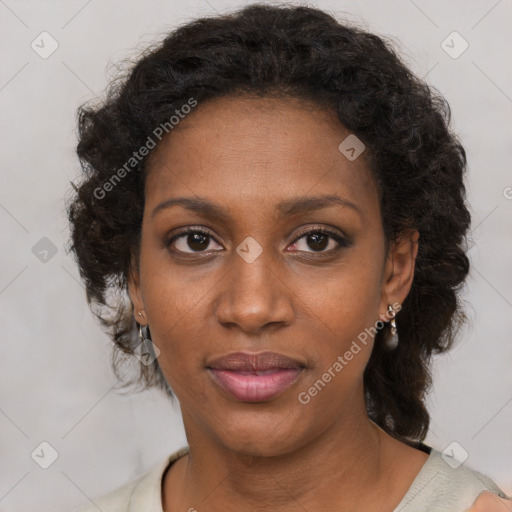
column 249, row 387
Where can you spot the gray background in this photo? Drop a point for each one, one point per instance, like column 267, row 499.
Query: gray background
column 56, row 382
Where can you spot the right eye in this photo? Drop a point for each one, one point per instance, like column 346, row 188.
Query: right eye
column 191, row 241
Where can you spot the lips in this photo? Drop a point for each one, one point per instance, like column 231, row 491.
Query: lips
column 251, row 377
column 245, row 361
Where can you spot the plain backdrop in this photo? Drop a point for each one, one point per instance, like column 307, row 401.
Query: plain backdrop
column 56, row 383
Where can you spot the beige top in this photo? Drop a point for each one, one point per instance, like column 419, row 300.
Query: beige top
column 440, row 486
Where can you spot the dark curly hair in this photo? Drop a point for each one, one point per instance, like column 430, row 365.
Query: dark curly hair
column 282, row 51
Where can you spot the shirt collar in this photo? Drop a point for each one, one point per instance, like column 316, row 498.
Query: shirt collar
column 147, row 493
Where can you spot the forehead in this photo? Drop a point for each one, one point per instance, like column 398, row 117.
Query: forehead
column 257, row 150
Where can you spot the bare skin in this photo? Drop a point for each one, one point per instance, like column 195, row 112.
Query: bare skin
column 489, row 502
column 246, row 156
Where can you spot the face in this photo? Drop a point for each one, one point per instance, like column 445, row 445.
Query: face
column 262, row 264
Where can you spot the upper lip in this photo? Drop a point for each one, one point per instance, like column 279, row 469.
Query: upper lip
column 247, row 361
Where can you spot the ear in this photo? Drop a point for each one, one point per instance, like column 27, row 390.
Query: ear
column 399, row 269
column 134, row 290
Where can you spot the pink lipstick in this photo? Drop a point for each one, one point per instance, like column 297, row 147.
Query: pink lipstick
column 250, row 377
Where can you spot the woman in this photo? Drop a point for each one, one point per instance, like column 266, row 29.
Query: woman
column 283, row 203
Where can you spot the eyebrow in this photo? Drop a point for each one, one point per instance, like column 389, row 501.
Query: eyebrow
column 285, row 208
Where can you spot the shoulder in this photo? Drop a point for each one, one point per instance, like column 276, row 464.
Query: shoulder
column 115, row 501
column 444, row 484
column 141, row 493
column 489, row 502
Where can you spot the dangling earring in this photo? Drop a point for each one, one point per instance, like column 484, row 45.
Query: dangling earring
column 146, row 352
column 392, row 342
column 144, row 336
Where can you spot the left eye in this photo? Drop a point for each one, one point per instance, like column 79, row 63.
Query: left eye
column 318, row 240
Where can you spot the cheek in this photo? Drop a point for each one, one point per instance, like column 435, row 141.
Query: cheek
column 346, row 319
column 347, row 299
column 172, row 295
column 175, row 311
column 342, row 310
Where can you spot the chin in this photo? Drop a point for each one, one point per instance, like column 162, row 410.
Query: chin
column 261, row 435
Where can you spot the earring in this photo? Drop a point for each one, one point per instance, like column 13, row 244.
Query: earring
column 143, row 336
column 392, row 342
column 392, row 313
column 140, row 314
column 147, row 351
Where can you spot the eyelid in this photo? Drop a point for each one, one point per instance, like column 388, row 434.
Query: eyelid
column 188, row 229
column 322, row 229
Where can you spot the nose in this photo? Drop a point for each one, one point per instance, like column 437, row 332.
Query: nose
column 254, row 295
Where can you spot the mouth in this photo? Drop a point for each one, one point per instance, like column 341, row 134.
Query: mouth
column 250, row 377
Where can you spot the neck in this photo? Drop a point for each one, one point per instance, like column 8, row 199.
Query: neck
column 342, row 465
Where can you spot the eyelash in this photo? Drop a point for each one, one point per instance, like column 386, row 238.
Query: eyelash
column 339, row 239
